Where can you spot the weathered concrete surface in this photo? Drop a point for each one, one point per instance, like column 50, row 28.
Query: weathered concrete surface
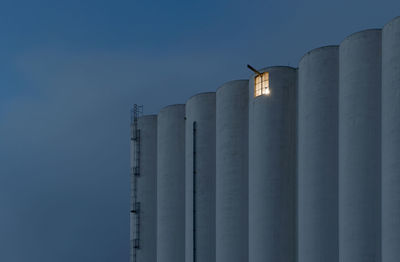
column 360, row 147
column 318, row 155
column 272, row 175
column 232, row 172
column 171, row 184
column 200, row 109
column 391, row 141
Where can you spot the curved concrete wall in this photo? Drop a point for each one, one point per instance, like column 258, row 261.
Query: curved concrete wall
column 147, row 188
column 232, row 172
column 318, row 155
column 171, row 184
column 200, row 175
column 360, row 147
column 391, row 141
column 272, row 142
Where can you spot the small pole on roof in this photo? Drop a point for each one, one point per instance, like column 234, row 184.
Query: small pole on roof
column 253, row 69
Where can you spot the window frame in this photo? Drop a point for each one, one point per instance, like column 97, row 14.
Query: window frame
column 261, row 84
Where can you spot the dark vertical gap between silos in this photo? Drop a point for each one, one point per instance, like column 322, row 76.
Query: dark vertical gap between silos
column 296, row 171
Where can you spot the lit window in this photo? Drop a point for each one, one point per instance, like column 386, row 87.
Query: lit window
column 261, row 85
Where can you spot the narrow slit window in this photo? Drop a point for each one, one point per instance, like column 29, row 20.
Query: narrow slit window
column 261, row 84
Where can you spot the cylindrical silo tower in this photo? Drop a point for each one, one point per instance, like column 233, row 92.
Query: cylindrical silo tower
column 232, row 172
column 391, row 141
column 171, row 184
column 272, row 166
column 318, row 155
column 200, row 178
column 144, row 193
column 360, row 147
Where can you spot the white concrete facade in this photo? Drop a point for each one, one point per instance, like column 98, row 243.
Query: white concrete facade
column 171, row 184
column 391, row 141
column 360, row 147
column 318, row 155
column 200, row 178
column 272, row 175
column 232, row 172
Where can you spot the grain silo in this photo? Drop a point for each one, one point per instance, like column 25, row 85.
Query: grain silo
column 272, row 167
column 171, row 184
column 360, row 147
column 200, row 178
column 232, row 172
column 318, row 155
column 391, row 141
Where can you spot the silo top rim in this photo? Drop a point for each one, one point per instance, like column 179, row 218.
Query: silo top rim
column 361, row 32
column 318, row 49
column 231, row 82
column 394, row 20
column 200, row 94
column 277, row 66
column 173, row 105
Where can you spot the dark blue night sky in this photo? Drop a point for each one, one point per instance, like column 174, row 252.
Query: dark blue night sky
column 71, row 70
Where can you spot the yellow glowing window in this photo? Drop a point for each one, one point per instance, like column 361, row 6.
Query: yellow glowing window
column 261, row 84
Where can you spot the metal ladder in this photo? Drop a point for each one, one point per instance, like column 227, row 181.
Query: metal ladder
column 136, row 112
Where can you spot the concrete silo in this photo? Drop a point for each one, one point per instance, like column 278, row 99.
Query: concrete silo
column 143, row 189
column 360, row 147
column 391, row 141
column 318, row 155
column 200, row 178
column 232, row 172
column 171, row 184
column 272, row 167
